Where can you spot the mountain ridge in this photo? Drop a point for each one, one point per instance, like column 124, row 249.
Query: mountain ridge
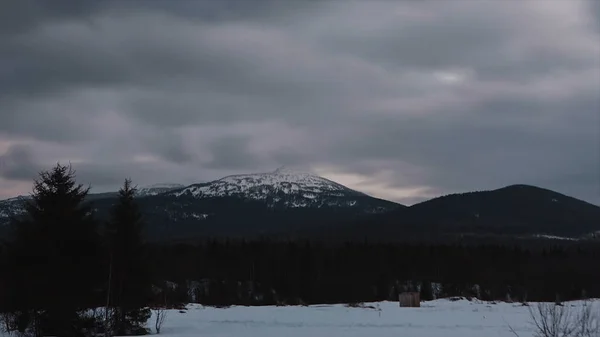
column 282, row 187
column 291, row 202
column 247, row 204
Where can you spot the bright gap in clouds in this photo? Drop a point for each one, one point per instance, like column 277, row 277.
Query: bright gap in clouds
column 375, row 186
column 453, row 76
column 448, row 77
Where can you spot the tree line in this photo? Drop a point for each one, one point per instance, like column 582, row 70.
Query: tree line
column 274, row 272
column 61, row 262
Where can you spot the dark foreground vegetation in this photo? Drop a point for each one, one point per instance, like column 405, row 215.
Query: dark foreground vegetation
column 61, row 261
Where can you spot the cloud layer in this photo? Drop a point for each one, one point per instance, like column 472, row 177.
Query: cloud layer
column 401, row 99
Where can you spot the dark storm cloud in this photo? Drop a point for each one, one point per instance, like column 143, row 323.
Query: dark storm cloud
column 168, row 145
column 409, row 95
column 595, row 10
column 23, row 15
column 18, row 163
column 468, row 153
column 232, row 153
column 101, row 176
column 58, row 118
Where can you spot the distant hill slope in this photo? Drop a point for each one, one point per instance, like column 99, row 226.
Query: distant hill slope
column 517, row 210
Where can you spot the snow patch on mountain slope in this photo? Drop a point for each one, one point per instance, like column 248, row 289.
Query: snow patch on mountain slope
column 554, row 237
column 157, row 189
column 196, row 216
column 11, row 207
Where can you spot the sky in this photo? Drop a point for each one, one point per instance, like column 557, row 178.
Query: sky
column 404, row 100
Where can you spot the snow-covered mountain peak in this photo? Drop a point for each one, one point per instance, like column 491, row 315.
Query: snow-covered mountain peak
column 284, row 180
column 284, row 183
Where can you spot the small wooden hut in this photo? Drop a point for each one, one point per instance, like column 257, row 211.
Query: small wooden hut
column 410, row 300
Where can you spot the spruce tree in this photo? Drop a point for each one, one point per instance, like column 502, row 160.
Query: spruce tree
column 130, row 286
column 54, row 256
column 426, row 291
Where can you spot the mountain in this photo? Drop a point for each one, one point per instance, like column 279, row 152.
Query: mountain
column 516, row 211
column 280, row 202
column 283, row 188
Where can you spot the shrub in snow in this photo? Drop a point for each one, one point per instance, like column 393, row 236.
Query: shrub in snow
column 160, row 314
column 555, row 320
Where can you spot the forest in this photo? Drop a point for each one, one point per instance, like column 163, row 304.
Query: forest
column 275, row 272
column 61, row 261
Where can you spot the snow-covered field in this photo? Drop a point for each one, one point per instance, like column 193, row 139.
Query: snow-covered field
column 436, row 318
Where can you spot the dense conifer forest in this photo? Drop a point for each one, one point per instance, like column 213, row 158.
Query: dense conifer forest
column 274, row 272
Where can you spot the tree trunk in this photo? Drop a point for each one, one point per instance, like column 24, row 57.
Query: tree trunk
column 106, row 314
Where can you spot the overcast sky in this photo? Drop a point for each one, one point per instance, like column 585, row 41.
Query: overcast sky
column 403, row 100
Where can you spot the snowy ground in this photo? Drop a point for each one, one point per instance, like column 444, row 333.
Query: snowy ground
column 437, row 318
column 434, row 319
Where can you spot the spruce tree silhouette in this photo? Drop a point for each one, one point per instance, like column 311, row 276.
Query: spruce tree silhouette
column 130, row 284
column 55, row 256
